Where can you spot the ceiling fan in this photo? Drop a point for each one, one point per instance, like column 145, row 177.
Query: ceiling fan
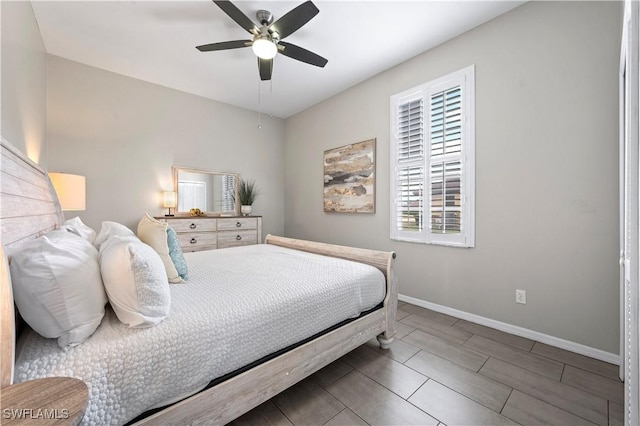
column 267, row 39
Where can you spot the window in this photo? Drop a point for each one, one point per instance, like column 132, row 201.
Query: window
column 228, row 194
column 432, row 162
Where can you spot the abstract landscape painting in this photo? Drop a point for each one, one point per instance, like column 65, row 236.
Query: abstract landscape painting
column 349, row 178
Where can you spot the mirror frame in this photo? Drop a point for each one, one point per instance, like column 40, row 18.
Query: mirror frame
column 177, row 169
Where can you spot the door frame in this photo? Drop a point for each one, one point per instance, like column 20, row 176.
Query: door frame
column 629, row 220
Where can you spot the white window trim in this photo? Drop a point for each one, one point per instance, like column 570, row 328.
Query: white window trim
column 466, row 78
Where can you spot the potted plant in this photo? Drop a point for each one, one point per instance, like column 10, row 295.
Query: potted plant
column 247, row 193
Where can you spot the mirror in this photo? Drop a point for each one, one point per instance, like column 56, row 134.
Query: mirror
column 210, row 191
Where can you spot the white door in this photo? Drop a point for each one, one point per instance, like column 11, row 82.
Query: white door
column 629, row 230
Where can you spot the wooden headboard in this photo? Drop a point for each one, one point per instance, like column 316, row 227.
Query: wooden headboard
column 29, row 208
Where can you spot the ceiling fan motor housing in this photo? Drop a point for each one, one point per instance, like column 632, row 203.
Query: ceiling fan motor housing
column 264, row 17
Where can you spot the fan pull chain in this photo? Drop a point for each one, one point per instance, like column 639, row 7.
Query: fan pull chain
column 260, row 102
column 259, row 108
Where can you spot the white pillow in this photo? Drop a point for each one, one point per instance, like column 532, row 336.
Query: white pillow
column 135, row 281
column 111, row 229
column 76, row 226
column 58, row 288
column 154, row 233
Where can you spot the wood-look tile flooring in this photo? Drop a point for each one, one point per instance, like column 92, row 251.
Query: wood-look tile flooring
column 443, row 370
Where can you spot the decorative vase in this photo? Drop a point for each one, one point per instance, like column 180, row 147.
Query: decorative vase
column 246, row 210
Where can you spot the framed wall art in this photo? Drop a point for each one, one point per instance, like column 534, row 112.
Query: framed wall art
column 349, row 178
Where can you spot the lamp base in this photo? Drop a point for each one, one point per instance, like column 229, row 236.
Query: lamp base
column 169, row 215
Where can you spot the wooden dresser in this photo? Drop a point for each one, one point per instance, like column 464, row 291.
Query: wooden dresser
column 210, row 233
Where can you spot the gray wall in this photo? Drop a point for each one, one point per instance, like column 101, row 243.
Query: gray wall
column 125, row 134
column 546, row 172
column 24, row 80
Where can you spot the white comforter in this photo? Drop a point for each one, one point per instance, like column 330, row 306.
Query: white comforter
column 238, row 306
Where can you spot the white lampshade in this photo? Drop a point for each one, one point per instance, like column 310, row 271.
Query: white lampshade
column 264, row 48
column 70, row 189
column 169, row 199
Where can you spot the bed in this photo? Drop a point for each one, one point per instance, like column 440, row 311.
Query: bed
column 308, row 337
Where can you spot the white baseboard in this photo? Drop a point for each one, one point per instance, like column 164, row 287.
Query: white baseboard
column 518, row 331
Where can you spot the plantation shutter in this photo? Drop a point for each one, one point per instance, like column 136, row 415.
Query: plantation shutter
column 228, row 191
column 433, row 162
column 410, row 166
column 445, row 118
column 411, row 131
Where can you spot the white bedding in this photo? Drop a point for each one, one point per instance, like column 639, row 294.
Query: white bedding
column 239, row 305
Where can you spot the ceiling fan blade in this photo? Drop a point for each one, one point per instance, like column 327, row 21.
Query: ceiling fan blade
column 300, row 54
column 237, row 15
column 265, row 66
column 294, row 19
column 224, row 45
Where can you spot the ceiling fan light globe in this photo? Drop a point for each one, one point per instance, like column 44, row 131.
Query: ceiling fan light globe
column 264, row 48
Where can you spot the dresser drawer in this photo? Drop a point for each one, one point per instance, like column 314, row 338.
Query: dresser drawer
column 237, row 238
column 193, row 225
column 193, row 241
column 237, row 223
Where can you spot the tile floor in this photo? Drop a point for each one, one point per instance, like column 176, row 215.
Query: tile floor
column 443, row 370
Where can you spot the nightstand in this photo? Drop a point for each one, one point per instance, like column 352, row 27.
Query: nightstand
column 48, row 401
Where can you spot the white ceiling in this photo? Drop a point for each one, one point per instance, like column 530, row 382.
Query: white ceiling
column 155, row 41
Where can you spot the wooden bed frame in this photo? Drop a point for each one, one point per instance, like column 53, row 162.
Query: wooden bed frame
column 29, row 208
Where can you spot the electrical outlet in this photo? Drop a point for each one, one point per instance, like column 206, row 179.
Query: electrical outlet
column 521, row 297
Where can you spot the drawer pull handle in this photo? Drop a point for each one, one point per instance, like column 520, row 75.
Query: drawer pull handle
column 193, row 241
column 238, row 224
column 192, row 226
column 238, row 237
